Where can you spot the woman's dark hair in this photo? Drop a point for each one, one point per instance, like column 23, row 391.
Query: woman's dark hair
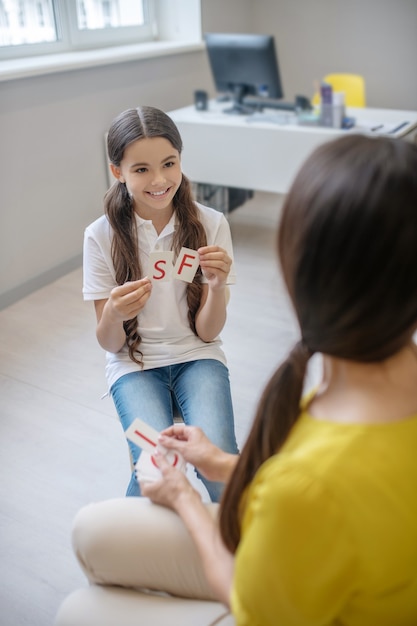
column 347, row 244
column 129, row 126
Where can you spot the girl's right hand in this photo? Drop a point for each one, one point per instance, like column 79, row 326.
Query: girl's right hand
column 127, row 300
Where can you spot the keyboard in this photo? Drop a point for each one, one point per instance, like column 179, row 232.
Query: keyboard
column 268, row 103
column 282, row 106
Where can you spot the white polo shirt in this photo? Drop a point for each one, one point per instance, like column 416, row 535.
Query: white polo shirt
column 167, row 338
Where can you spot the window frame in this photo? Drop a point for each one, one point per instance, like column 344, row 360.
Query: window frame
column 72, row 39
column 179, row 31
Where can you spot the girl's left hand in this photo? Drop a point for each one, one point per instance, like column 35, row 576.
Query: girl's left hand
column 215, row 264
column 173, row 490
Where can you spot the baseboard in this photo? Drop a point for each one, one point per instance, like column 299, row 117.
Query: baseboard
column 10, row 297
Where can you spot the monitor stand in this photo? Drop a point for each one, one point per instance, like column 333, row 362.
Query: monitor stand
column 238, row 107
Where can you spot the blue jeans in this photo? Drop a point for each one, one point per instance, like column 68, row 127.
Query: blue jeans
column 201, row 392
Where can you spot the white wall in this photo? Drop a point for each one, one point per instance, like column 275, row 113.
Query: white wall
column 375, row 38
column 53, row 172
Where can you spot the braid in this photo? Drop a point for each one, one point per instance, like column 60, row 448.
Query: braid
column 125, row 254
column 277, row 413
column 190, row 234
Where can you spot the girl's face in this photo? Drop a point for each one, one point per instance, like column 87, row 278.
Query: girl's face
column 151, row 169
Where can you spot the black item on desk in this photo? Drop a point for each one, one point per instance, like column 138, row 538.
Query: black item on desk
column 201, row 100
column 259, row 103
column 302, row 103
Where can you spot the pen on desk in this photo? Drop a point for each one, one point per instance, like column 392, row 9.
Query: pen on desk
column 395, row 130
column 377, row 127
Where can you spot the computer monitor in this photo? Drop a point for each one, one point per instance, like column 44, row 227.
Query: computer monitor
column 242, row 65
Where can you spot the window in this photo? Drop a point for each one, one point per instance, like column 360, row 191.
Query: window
column 38, row 27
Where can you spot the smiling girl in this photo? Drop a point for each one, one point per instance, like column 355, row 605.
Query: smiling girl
column 163, row 351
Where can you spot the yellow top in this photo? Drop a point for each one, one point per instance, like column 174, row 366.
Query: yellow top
column 329, row 533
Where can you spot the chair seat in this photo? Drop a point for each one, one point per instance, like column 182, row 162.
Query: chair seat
column 98, row 605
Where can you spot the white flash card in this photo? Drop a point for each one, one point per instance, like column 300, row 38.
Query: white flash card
column 143, row 435
column 160, row 265
column 146, row 437
column 186, row 265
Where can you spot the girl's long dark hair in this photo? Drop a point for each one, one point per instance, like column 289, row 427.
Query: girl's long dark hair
column 129, row 126
column 347, row 245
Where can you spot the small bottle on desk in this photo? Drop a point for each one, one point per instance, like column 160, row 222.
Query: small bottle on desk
column 326, row 94
column 338, row 109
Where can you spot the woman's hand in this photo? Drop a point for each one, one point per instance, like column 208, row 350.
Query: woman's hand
column 197, row 449
column 215, row 264
column 173, row 491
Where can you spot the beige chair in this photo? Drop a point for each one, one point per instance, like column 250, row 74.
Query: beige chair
column 99, row 605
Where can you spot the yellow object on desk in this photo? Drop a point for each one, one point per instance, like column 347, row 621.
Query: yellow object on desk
column 353, row 86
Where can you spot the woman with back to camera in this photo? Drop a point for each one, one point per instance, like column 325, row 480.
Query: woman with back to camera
column 318, row 521
column 161, row 337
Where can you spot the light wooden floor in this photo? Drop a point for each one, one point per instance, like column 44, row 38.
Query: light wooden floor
column 62, row 446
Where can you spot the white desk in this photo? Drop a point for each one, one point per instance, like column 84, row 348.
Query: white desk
column 233, row 151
